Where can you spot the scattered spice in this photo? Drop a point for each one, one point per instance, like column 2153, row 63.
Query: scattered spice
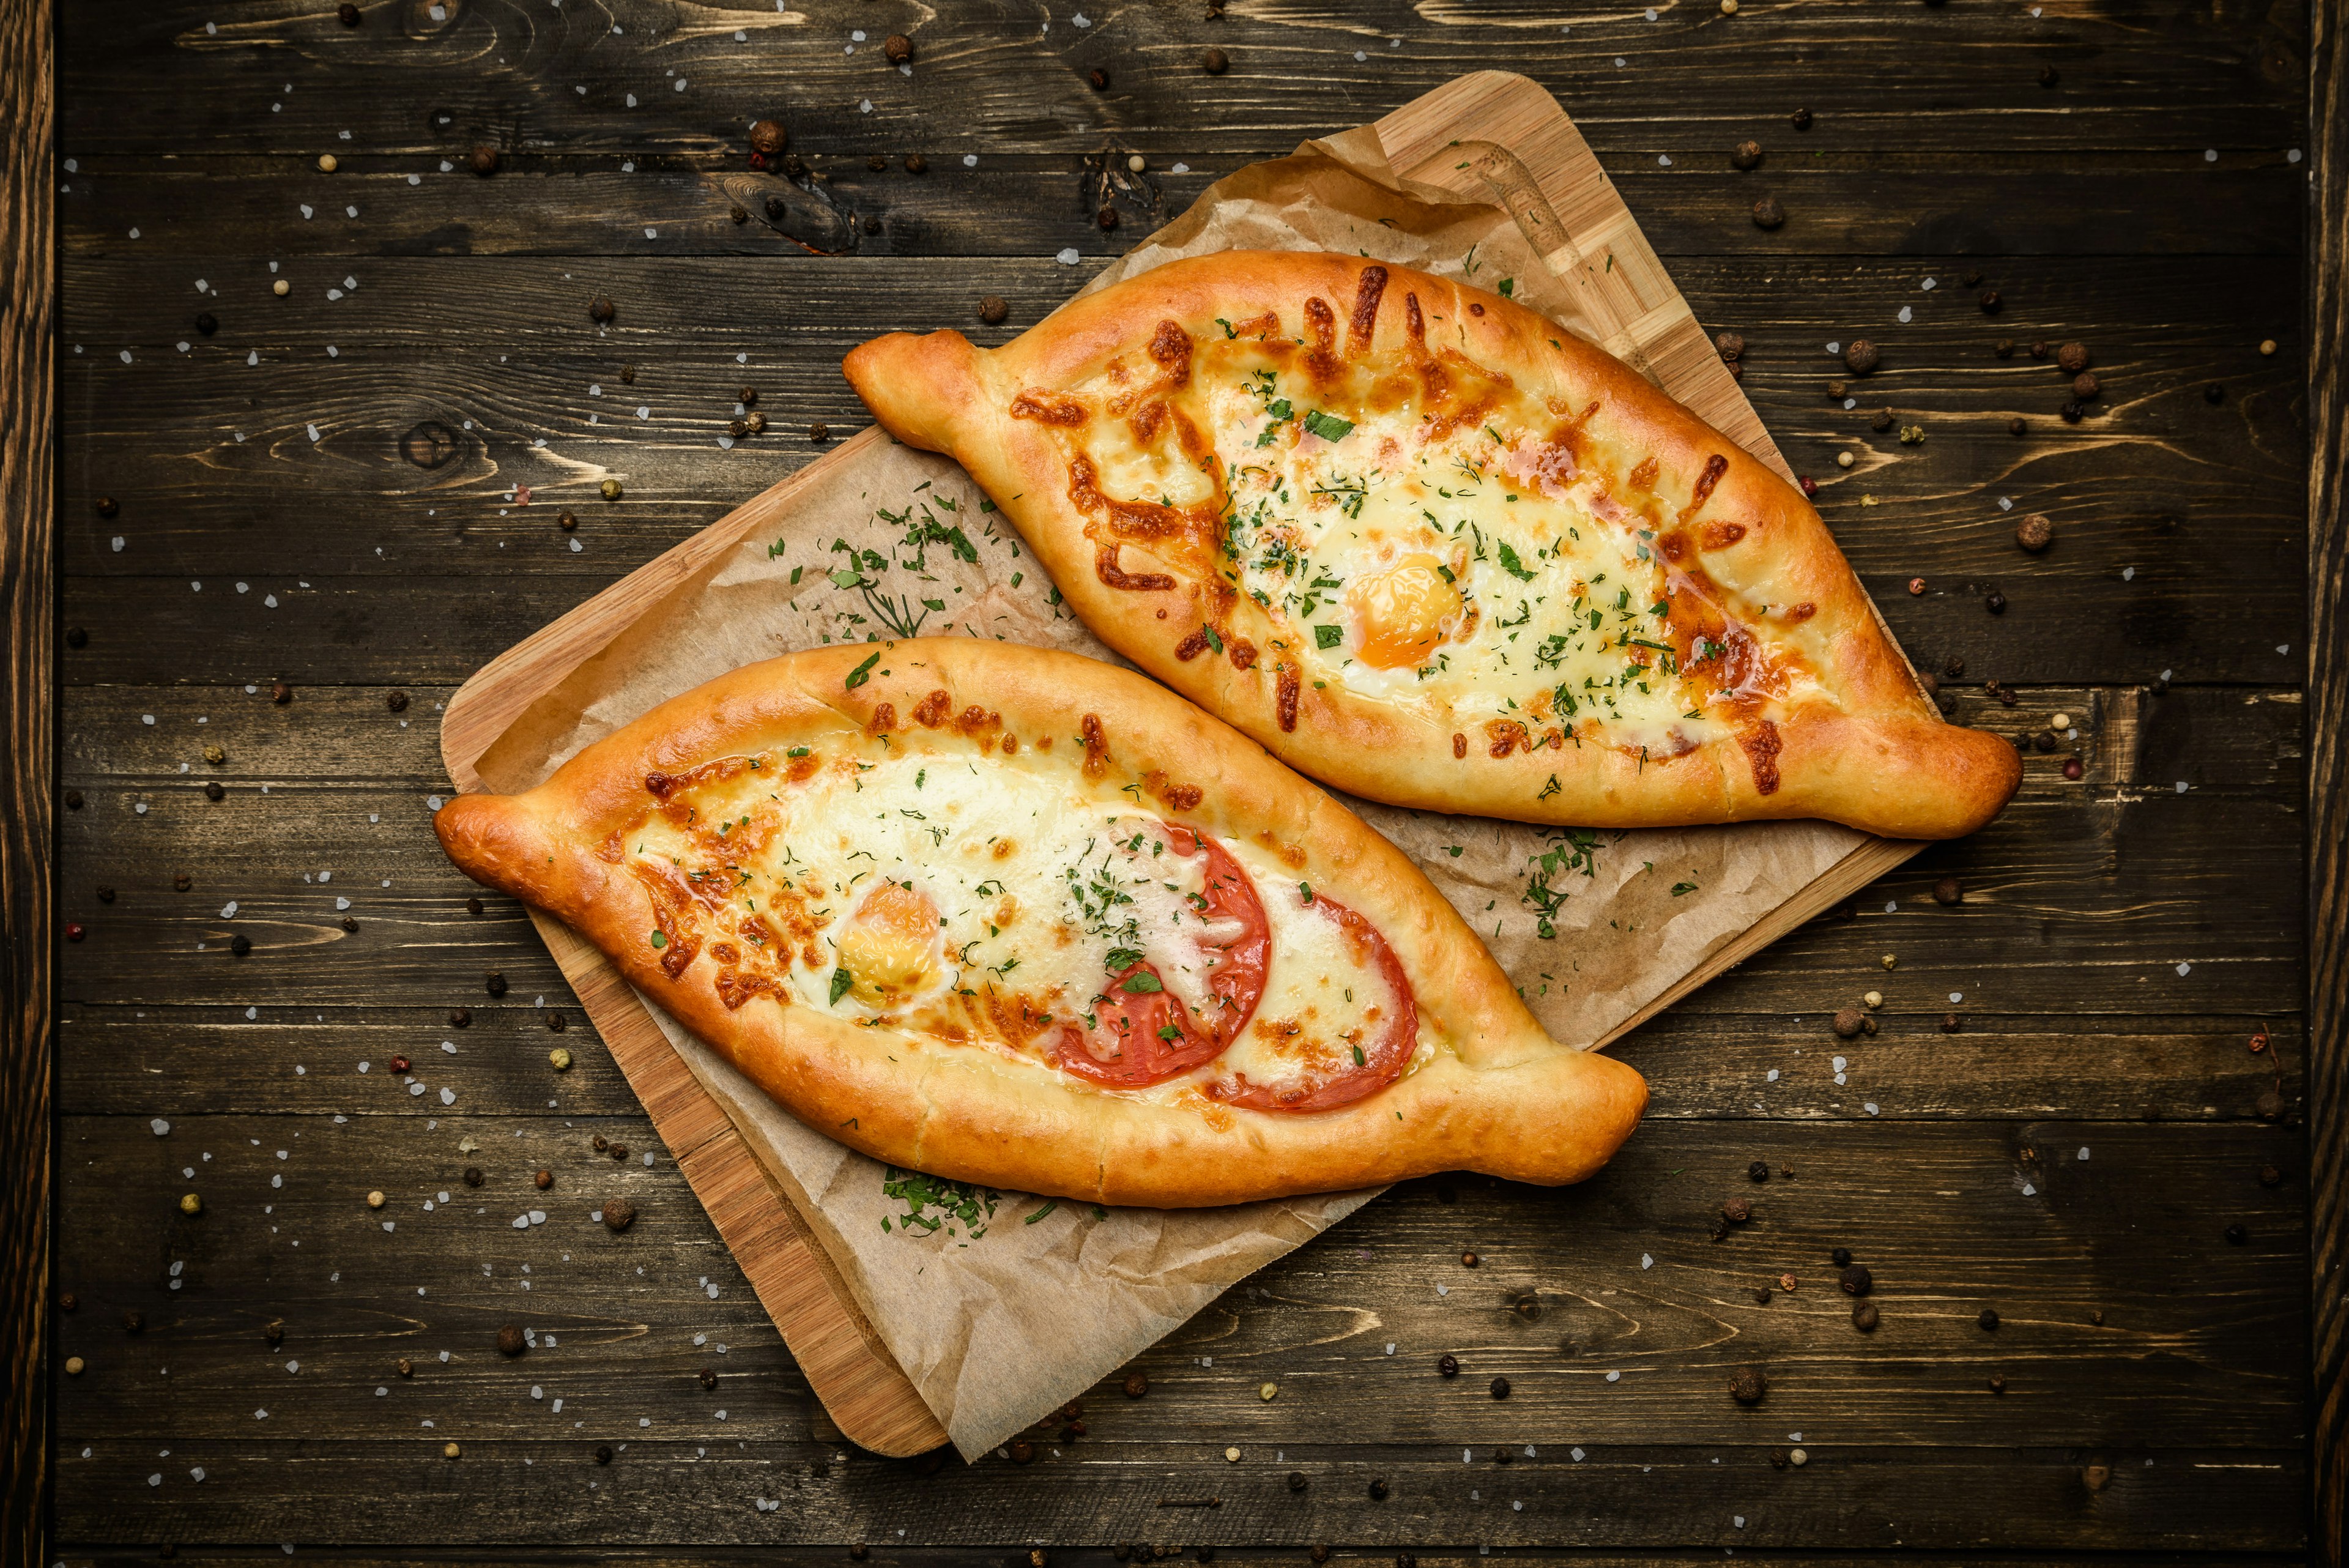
column 2072, row 768
column 280, row 693
column 74, row 1364
column 1731, row 345
column 1786, row 1282
column 1136, row 1386
column 993, row 308
column 1864, row 1317
column 708, row 1378
column 190, row 1204
column 240, row 944
column 1747, row 155
column 1468, row 1260
column 134, row 1322
column 406, row 1367
column 214, row 790
column 897, row 48
column 618, row 1215
column 1916, row 587
column 2214, row 393
column 1296, row 1482
column 1098, row 80
column 2016, row 426
column 1737, row 1210
column 1989, row 1318
column 1859, row 355
column 916, row 165
column 2073, row 357
column 77, row 636
column 2237, row 1235
column 603, row 1453
column 281, row 288
column 1379, row 1489
column 1998, row 1382
column 495, row 983
column 1848, row 1022
column 484, row 160
column 1500, row 1388
column 449, row 1450
column 1748, row 1385
column 347, row 13
column 1948, row 891
column 1768, row 214
column 2003, row 347
column 473, row 1177
column 1839, row 1256
column 2072, row 412
column 1800, row 119
column 1883, row 421
column 1215, row 62
column 2271, row 1175
column 545, row 1180
column 1991, row 302
column 1106, row 218
column 560, row 1057
column 511, row 1341
column 1994, row 602
column 1757, row 1170
column 819, row 434
column 375, row 1200
column 601, row 309
column 327, row 163
column 1856, row 1280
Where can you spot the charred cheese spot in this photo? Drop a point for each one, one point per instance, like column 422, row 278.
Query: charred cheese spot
column 890, row 947
column 1402, row 614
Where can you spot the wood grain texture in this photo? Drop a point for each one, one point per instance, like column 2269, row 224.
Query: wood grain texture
column 1935, row 150
column 2328, row 783
column 27, row 602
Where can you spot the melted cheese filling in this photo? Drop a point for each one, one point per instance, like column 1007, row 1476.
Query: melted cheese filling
column 939, row 889
column 1446, row 550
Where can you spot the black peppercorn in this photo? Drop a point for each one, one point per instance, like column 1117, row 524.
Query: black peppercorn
column 134, row 1322
column 2003, row 347
column 739, row 213
column 106, row 895
column 620, row 1151
column 1768, row 214
column 738, row 428
column 2045, row 741
column 397, row 702
column 347, row 13
column 182, row 882
column 1989, row 1318
column 1840, row 1256
column 69, row 1301
column 1758, row 1170
column 1800, row 119
column 1991, row 302
column 214, row 790
column 1883, row 421
column 350, row 924
column 275, row 1333
column 758, row 422
column 1972, row 277
column 1856, row 1280
column 2237, row 1235
column 1106, row 218
column 819, row 434
column 1859, row 355
column 107, row 506
column 557, row 1021
column 281, row 693
column 566, row 522
column 1747, row 1386
column 2072, row 412
column 897, row 48
column 2015, row 426
column 474, row 1176
column 1098, row 79
column 495, row 983
column 916, row 165
column 207, row 323
column 1215, row 62
column 1998, row 1382
column 473, row 906
column 1379, row 1489
column 1994, row 602
column 708, row 1378
column 603, row 1453
column 459, row 1017
column 1500, row 1388
column 1448, row 1365
column 2047, row 76
column 1864, row 1317
column 76, row 638
column 240, row 944
column 484, row 159
column 511, row 1341
column 1747, row 155
column 1949, row 891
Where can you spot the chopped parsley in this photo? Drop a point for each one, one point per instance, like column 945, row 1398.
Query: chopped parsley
column 1328, row 426
column 862, row 673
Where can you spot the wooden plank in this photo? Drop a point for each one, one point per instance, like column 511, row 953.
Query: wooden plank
column 1029, row 207
column 27, row 605
column 2178, row 520
column 1626, row 1276
column 1620, row 1499
column 987, row 80
column 2328, row 785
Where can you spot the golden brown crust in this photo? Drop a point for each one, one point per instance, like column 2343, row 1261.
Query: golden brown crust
column 1501, row 1097
column 1872, row 753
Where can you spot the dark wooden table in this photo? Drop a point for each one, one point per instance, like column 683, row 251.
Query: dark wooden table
column 314, row 489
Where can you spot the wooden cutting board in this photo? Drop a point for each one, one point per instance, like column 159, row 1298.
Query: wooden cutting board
column 1492, row 137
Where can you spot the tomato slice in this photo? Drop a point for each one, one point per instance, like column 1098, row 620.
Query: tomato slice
column 1381, row 1059
column 1142, row 1033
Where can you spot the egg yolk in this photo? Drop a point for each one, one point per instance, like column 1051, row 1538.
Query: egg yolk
column 890, row 948
column 1401, row 613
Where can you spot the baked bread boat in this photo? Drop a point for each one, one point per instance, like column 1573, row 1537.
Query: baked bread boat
column 1430, row 547
column 1020, row 918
